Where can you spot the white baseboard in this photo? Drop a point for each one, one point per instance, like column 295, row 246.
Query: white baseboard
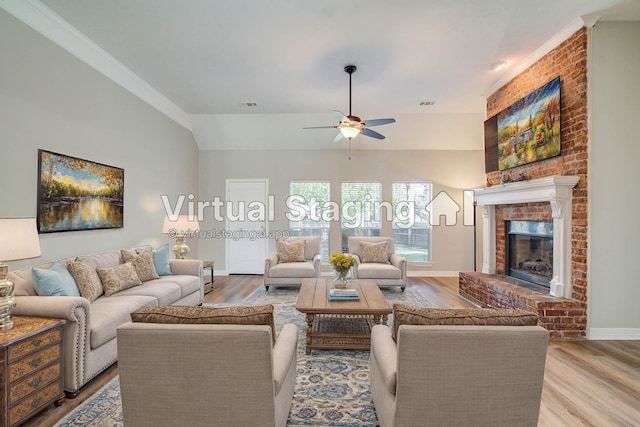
column 432, row 273
column 613, row 333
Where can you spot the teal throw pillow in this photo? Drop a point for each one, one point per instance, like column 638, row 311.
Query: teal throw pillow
column 54, row 281
column 161, row 260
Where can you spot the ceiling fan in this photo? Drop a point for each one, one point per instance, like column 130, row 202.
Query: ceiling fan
column 350, row 126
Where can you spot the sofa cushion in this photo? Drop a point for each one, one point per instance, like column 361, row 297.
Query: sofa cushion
column 378, row 271
column 142, row 262
column 107, row 313
column 374, row 252
column 239, row 315
column 163, row 291
column 55, row 280
column 290, row 251
column 411, row 315
column 293, row 270
column 102, row 260
column 115, row 279
column 161, row 260
column 87, row 279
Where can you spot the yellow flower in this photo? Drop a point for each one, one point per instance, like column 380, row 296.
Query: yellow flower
column 341, row 262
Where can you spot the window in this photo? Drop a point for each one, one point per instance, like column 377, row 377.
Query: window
column 360, row 210
column 305, row 218
column 411, row 228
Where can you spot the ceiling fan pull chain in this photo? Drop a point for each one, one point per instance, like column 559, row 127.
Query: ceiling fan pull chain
column 349, row 149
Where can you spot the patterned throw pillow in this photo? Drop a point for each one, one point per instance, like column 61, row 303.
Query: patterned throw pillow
column 118, row 278
column 410, row 315
column 87, row 279
column 143, row 263
column 290, row 251
column 374, row 252
column 240, row 315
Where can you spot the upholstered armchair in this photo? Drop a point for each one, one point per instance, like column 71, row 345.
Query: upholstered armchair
column 206, row 374
column 297, row 258
column 457, row 374
column 376, row 260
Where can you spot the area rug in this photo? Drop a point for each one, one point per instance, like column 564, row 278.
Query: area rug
column 332, row 386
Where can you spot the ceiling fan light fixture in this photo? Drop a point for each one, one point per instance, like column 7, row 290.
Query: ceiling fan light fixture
column 349, row 132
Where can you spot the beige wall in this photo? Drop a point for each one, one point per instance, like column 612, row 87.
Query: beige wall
column 614, row 284
column 51, row 100
column 450, row 171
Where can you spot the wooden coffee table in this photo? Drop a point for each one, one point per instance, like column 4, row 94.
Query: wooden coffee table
column 341, row 324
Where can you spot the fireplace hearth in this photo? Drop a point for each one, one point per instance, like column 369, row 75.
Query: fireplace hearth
column 529, row 249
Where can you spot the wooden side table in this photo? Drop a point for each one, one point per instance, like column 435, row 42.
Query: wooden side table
column 208, row 286
column 31, row 369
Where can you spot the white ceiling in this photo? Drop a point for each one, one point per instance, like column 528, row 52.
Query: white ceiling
column 208, row 57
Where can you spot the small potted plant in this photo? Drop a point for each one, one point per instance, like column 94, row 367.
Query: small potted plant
column 341, row 264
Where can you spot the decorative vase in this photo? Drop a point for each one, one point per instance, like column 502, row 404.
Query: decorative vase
column 341, row 278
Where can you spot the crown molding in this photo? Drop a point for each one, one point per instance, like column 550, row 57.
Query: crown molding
column 43, row 20
column 535, row 56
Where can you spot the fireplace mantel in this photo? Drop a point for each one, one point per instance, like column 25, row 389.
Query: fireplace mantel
column 558, row 191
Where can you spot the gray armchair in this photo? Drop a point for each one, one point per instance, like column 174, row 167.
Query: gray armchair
column 281, row 273
column 391, row 270
column 206, row 374
column 457, row 375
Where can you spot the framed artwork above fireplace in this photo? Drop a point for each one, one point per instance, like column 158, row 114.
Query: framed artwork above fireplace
column 529, row 129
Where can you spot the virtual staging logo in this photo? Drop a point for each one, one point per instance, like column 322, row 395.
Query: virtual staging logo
column 441, row 210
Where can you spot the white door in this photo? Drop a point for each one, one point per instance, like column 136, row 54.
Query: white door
column 246, row 219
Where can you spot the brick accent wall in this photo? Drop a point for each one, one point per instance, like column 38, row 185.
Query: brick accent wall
column 569, row 61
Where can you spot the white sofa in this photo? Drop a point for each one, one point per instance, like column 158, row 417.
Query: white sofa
column 89, row 334
column 278, row 273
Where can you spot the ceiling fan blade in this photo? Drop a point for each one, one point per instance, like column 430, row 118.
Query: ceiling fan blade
column 341, row 117
column 378, row 122
column 372, row 133
column 321, row 127
column 338, row 137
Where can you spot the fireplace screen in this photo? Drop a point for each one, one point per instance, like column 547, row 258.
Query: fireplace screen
column 530, row 251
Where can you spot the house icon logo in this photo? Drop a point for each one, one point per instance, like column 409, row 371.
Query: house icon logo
column 441, row 205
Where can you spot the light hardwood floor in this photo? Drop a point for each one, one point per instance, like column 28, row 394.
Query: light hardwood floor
column 587, row 383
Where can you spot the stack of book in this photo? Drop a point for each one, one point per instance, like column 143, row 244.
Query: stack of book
column 343, row 294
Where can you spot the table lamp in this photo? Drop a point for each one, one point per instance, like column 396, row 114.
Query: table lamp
column 18, row 240
column 180, row 228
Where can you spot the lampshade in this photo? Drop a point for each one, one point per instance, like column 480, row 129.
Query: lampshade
column 181, row 225
column 19, row 239
column 349, row 132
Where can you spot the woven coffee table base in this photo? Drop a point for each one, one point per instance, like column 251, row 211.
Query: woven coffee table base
column 333, row 331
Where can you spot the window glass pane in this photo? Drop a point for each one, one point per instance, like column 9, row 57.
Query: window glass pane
column 310, row 196
column 411, row 228
column 360, row 210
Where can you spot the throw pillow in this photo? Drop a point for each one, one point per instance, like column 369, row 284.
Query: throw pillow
column 161, row 260
column 143, row 263
column 290, row 251
column 56, row 280
column 118, row 278
column 374, row 252
column 409, row 315
column 87, row 279
column 240, row 315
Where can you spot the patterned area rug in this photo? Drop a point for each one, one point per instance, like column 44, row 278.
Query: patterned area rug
column 332, row 386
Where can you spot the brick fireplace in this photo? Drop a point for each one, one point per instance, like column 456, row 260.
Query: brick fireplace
column 543, row 199
column 552, row 190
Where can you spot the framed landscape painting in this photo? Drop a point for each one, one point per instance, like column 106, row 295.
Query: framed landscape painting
column 529, row 130
column 76, row 194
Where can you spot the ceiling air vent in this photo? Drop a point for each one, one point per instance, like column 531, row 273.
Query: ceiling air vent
column 249, row 104
column 427, row 103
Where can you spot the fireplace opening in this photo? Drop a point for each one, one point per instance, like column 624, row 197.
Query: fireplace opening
column 530, row 251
